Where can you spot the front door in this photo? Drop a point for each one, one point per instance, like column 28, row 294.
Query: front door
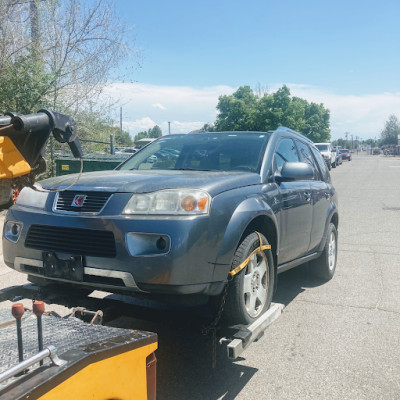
column 296, row 209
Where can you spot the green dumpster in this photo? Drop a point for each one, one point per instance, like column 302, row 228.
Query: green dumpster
column 91, row 162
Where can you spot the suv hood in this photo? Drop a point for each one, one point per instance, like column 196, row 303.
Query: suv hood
column 150, row 181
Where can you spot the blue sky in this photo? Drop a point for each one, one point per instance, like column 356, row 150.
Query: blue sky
column 345, row 54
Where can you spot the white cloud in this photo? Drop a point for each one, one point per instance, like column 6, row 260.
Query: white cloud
column 189, row 108
column 159, row 106
column 362, row 115
column 138, row 125
column 185, row 127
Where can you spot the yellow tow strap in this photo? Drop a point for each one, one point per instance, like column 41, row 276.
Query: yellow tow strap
column 246, row 261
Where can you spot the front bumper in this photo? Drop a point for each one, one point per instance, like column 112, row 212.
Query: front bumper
column 188, row 267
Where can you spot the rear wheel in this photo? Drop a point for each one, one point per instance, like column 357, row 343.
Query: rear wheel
column 325, row 265
column 250, row 292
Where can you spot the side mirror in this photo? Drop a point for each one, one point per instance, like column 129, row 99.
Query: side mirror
column 294, row 171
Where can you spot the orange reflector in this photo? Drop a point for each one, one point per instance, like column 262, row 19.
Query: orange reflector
column 202, row 203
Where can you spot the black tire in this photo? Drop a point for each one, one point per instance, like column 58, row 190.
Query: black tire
column 334, row 165
column 325, row 265
column 250, row 292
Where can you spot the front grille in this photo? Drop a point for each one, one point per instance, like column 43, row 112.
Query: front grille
column 93, row 202
column 85, row 242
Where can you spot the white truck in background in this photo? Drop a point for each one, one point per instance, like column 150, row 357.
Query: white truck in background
column 328, row 152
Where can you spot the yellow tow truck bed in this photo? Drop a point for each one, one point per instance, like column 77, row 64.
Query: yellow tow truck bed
column 101, row 362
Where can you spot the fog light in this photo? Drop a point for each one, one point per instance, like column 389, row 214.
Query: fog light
column 147, row 244
column 15, row 229
column 161, row 243
column 12, row 231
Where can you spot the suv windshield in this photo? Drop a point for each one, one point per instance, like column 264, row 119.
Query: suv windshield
column 322, row 147
column 202, row 152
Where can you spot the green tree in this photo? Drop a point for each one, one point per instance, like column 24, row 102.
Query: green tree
column 22, row 84
column 207, row 128
column 57, row 53
column 155, row 132
column 141, row 135
column 244, row 110
column 237, row 112
column 122, row 138
column 316, row 123
column 340, row 142
column 389, row 134
column 370, row 142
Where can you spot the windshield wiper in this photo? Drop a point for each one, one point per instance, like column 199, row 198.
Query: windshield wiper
column 194, row 169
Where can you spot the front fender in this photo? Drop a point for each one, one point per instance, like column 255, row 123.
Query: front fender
column 244, row 214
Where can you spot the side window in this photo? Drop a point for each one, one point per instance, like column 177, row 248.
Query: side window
column 285, row 152
column 322, row 165
column 306, row 156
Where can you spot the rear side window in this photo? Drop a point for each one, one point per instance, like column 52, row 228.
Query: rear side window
column 306, row 156
column 321, row 164
column 285, row 152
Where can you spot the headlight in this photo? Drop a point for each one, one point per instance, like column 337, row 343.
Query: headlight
column 170, row 202
column 31, row 198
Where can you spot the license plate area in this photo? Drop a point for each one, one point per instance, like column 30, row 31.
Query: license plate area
column 69, row 268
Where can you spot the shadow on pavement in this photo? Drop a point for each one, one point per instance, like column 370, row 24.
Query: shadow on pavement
column 184, row 362
column 293, row 282
column 184, row 355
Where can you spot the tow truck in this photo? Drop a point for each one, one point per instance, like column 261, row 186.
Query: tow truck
column 46, row 356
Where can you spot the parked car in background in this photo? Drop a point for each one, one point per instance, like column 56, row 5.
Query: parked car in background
column 237, row 206
column 123, row 150
column 130, row 150
column 326, row 149
column 346, row 155
column 338, row 154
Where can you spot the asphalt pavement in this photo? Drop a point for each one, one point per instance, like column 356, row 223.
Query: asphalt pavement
column 334, row 340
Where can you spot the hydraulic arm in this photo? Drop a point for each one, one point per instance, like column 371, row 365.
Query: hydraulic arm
column 22, row 144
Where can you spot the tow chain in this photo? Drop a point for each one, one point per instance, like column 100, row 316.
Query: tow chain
column 212, row 328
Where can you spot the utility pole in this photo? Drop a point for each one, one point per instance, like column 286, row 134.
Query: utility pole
column 120, row 119
column 169, row 127
column 352, row 142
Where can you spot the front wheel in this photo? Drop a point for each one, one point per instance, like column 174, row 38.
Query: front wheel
column 250, row 292
column 325, row 265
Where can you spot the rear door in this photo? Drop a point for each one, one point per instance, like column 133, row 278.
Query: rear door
column 322, row 192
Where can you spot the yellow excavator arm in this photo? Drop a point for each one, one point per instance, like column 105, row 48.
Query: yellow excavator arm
column 12, row 163
column 22, row 144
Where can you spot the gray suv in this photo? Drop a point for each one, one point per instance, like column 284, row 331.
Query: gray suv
column 180, row 217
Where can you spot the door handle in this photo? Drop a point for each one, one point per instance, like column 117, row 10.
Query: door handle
column 307, row 196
